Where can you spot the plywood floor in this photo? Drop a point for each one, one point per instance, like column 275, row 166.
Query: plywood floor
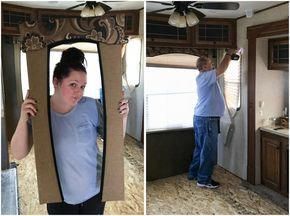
column 177, row 195
column 134, row 186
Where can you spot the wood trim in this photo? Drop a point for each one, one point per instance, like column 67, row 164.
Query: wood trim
column 6, row 6
column 254, row 32
column 168, row 66
column 157, row 50
column 268, row 29
column 251, row 109
column 38, row 12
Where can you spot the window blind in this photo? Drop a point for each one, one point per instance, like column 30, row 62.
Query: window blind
column 232, row 85
column 170, row 97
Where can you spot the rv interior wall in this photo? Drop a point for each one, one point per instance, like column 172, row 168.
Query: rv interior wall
column 271, row 89
column 136, row 101
column 238, row 147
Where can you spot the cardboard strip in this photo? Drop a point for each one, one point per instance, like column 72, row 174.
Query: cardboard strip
column 35, row 39
column 113, row 179
column 48, row 186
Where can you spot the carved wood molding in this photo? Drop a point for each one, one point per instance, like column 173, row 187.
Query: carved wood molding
column 155, row 51
column 268, row 29
column 107, row 29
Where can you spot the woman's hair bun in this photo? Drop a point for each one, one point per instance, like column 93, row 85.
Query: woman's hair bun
column 72, row 56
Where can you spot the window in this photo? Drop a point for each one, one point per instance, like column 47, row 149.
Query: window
column 170, row 97
column 133, row 62
column 232, row 85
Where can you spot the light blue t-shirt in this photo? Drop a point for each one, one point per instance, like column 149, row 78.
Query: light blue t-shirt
column 210, row 100
column 74, row 138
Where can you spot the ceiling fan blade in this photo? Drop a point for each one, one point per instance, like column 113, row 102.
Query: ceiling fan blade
column 164, row 9
column 104, row 6
column 197, row 13
column 163, row 3
column 218, row 5
column 70, row 8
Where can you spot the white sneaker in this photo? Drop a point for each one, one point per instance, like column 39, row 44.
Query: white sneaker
column 211, row 185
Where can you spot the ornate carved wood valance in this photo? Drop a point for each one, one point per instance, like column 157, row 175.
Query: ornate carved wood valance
column 107, row 29
column 155, row 51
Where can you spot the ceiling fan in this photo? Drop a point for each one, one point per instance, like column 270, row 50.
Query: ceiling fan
column 92, row 8
column 186, row 13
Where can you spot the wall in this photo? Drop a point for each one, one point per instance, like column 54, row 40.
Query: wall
column 136, row 101
column 236, row 152
column 272, row 89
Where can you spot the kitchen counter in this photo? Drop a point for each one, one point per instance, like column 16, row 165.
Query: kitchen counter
column 278, row 130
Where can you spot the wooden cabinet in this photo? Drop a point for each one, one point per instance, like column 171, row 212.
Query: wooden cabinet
column 278, row 56
column 285, row 166
column 275, row 151
column 271, row 162
column 132, row 22
column 215, row 33
column 209, row 33
column 159, row 32
column 12, row 15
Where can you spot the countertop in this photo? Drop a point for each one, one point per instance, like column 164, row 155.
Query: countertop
column 278, row 130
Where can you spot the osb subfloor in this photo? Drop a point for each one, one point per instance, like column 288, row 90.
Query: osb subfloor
column 134, row 186
column 177, row 195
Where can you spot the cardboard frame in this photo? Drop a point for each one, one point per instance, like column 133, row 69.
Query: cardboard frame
column 108, row 32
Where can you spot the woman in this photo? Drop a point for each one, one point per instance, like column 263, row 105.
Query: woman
column 75, row 122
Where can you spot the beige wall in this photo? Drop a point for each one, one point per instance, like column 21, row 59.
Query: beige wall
column 236, row 152
column 271, row 87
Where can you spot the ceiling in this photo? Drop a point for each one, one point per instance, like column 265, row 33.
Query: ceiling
column 138, row 4
column 115, row 5
column 244, row 5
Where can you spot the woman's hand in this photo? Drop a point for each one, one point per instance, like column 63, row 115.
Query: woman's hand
column 123, row 107
column 28, row 108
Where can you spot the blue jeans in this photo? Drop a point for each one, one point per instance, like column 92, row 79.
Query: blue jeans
column 205, row 152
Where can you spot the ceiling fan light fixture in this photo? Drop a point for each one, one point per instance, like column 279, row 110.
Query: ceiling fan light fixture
column 174, row 19
column 86, row 11
column 191, row 19
column 182, row 22
column 99, row 11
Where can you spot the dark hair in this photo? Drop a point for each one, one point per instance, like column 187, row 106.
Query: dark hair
column 71, row 59
column 201, row 61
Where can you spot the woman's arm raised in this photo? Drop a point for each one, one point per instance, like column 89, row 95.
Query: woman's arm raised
column 20, row 140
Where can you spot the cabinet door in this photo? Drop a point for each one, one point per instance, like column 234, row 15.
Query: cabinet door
column 12, row 15
column 285, row 167
column 160, row 33
column 215, row 33
column 271, row 162
column 278, row 54
column 132, row 23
